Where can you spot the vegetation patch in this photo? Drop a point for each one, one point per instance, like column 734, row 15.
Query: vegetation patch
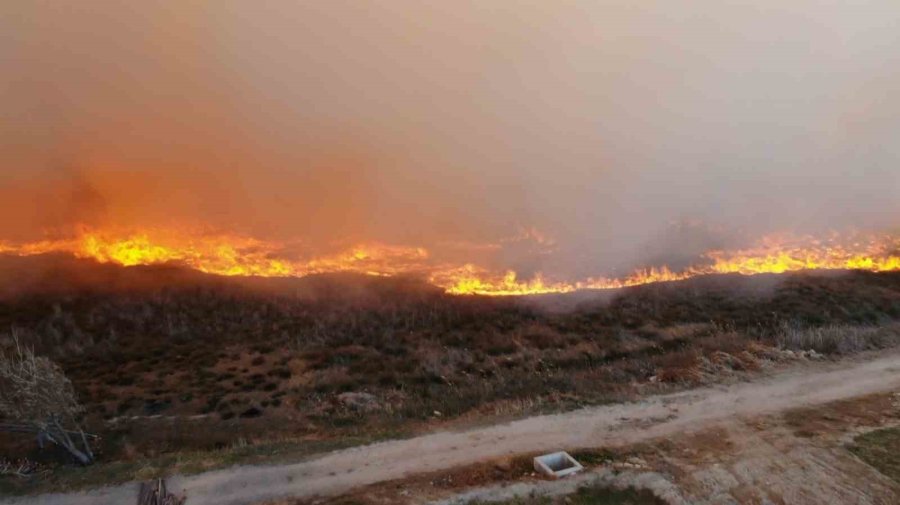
column 881, row 449
column 590, row 495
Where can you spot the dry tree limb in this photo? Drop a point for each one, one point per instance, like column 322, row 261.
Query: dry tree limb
column 37, row 397
column 19, row 468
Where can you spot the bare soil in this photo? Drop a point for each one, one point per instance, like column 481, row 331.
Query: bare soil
column 840, row 452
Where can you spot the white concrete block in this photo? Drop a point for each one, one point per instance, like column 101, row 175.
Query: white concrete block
column 557, row 464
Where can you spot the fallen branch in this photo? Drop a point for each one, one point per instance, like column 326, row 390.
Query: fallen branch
column 21, row 468
column 27, row 428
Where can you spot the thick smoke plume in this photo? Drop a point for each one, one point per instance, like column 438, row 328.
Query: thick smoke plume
column 609, row 134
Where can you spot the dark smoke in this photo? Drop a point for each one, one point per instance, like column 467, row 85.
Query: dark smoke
column 629, row 132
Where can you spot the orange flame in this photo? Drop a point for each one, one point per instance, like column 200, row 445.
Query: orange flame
column 226, row 254
column 222, row 254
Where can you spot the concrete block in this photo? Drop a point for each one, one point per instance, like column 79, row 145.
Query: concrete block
column 557, row 464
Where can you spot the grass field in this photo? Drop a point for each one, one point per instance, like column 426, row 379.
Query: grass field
column 176, row 368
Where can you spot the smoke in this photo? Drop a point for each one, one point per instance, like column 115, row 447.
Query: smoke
column 625, row 132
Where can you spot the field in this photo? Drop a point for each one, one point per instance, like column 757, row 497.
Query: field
column 591, row 496
column 179, row 370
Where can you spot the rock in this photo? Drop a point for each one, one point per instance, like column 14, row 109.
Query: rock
column 361, row 402
column 154, row 407
column 634, row 460
column 503, row 465
column 251, row 412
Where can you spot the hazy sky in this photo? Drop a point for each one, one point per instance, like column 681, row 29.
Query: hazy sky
column 600, row 123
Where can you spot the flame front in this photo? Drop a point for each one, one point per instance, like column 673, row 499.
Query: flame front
column 233, row 255
column 222, row 254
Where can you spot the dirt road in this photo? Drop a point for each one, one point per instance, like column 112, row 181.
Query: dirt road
column 611, row 425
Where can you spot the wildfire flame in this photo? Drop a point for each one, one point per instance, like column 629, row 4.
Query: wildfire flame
column 232, row 255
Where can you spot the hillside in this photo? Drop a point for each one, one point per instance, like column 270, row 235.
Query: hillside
column 168, row 360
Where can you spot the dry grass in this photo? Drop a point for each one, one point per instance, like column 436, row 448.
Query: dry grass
column 838, row 339
column 264, row 362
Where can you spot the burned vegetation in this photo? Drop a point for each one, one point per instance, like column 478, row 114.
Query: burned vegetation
column 207, row 363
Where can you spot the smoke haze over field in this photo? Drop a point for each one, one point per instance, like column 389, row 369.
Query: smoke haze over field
column 598, row 123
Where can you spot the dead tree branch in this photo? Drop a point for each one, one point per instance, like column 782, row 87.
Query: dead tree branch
column 37, row 397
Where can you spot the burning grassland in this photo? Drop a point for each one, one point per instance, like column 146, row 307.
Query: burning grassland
column 189, row 342
column 205, row 363
column 237, row 255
